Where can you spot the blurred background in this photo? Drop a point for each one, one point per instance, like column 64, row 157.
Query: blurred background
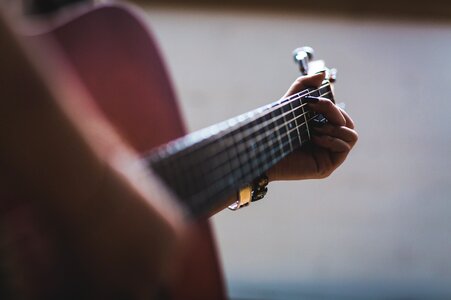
column 380, row 226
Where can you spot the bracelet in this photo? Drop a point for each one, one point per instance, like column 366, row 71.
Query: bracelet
column 251, row 193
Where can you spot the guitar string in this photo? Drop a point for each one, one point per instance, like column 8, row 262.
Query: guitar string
column 270, row 144
column 248, row 153
column 211, row 191
column 265, row 110
column 219, row 164
column 267, row 150
column 252, row 130
column 275, row 131
column 258, row 138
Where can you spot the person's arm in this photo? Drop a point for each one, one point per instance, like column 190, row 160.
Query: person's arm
column 97, row 202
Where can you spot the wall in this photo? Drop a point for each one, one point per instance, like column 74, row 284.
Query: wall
column 381, row 225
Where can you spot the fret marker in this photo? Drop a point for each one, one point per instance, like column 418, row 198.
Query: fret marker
column 306, row 121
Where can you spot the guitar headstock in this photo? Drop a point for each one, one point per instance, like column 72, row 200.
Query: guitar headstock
column 303, row 56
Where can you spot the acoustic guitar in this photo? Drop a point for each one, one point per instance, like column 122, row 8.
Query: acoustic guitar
column 117, row 60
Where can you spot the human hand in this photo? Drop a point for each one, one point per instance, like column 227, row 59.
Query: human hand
column 331, row 143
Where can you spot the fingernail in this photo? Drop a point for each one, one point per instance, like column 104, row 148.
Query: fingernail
column 310, row 99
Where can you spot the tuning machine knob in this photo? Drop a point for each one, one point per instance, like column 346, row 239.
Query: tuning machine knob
column 302, row 56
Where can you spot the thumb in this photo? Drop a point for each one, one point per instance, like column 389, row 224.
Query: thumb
column 304, row 82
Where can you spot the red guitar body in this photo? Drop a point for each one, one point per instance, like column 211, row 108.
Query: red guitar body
column 114, row 55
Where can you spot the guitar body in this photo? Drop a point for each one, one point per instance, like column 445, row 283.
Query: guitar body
column 117, row 60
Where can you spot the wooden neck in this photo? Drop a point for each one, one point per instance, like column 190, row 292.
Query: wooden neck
column 210, row 165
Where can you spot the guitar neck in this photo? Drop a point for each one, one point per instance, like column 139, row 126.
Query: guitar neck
column 208, row 166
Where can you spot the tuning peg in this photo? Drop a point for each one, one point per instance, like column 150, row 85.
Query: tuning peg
column 304, row 50
column 302, row 56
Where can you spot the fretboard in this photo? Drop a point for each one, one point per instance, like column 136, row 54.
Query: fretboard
column 208, row 166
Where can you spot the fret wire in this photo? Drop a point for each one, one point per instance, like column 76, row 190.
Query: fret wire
column 268, row 149
column 277, row 133
column 203, row 201
column 252, row 130
column 268, row 133
column 248, row 132
column 227, row 144
column 282, row 152
column 225, row 187
column 271, row 149
column 265, row 110
column 250, row 158
column 265, row 123
column 306, row 123
column 258, row 139
column 271, row 145
column 272, row 142
column 296, row 124
column 291, row 111
column 287, row 129
column 269, row 154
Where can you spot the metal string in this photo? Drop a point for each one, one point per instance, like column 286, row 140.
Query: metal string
column 262, row 153
column 185, row 149
column 265, row 134
column 201, row 138
column 211, row 191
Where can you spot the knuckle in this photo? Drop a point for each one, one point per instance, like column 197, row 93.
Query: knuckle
column 326, row 170
column 328, row 106
column 336, row 130
column 326, row 173
column 356, row 136
column 347, row 147
column 329, row 103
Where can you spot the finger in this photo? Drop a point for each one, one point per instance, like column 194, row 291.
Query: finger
column 303, row 82
column 349, row 121
column 331, row 143
column 332, row 112
column 336, row 150
column 324, row 163
column 341, row 132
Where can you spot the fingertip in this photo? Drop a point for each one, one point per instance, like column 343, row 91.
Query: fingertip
column 305, row 81
column 321, row 75
column 343, row 121
column 331, row 111
column 315, row 80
